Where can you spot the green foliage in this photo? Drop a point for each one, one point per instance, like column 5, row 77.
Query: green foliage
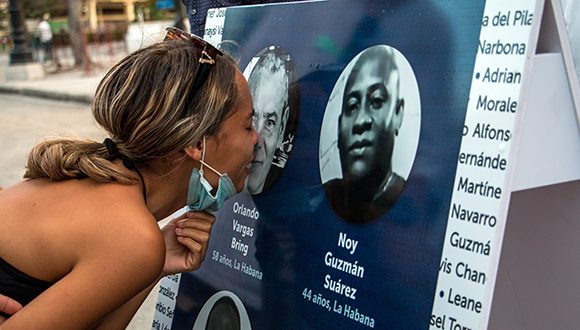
column 35, row 8
column 57, row 26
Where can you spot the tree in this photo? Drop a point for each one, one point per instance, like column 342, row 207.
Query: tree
column 76, row 33
column 35, row 8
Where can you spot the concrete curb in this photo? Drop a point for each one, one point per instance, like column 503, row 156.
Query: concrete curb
column 52, row 95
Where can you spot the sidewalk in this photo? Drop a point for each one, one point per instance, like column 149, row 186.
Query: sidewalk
column 75, row 85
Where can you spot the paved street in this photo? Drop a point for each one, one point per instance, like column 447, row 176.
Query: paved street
column 25, row 120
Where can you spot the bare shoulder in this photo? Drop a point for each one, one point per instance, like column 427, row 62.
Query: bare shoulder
column 66, row 222
column 97, row 241
column 119, row 218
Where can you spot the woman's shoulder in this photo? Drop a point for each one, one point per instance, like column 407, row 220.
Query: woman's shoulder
column 116, row 210
column 117, row 226
column 85, row 210
column 66, row 222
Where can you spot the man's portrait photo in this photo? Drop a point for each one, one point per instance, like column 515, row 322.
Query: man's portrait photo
column 271, row 79
column 370, row 134
column 223, row 311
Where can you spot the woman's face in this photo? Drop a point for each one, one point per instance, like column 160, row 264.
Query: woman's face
column 231, row 150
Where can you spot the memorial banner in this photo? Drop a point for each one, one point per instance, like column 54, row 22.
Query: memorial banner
column 361, row 107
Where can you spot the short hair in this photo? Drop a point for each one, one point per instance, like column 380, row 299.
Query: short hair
column 384, row 56
column 147, row 106
column 224, row 315
column 272, row 61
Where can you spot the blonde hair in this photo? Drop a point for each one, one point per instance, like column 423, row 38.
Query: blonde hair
column 147, row 105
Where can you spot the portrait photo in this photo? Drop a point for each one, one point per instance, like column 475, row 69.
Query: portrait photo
column 223, row 311
column 370, row 133
column 270, row 76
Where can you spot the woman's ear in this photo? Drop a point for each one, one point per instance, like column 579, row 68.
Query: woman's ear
column 195, row 152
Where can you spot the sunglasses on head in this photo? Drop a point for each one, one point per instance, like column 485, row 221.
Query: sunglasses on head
column 207, row 54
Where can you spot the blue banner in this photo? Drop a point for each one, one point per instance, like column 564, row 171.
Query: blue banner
column 346, row 229
column 164, row 4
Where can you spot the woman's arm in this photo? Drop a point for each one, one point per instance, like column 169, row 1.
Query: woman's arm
column 120, row 318
column 8, row 306
column 116, row 262
column 186, row 239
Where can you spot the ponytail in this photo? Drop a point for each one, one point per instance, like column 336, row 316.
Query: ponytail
column 61, row 159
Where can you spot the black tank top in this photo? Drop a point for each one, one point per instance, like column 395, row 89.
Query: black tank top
column 18, row 285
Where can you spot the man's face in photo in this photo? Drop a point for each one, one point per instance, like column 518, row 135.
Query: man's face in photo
column 366, row 132
column 270, row 94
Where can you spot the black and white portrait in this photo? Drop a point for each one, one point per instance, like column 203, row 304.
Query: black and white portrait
column 223, row 311
column 270, row 76
column 370, row 134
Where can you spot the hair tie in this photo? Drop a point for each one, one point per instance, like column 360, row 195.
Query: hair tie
column 111, row 149
column 129, row 163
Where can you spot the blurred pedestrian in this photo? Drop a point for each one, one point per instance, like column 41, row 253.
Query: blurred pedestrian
column 46, row 37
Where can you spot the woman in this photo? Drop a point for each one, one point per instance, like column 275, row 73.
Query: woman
column 81, row 229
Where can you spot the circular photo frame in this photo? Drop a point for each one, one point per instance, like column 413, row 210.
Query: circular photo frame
column 370, row 134
column 271, row 79
column 223, row 311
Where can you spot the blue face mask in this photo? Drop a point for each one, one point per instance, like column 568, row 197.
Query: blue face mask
column 199, row 196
